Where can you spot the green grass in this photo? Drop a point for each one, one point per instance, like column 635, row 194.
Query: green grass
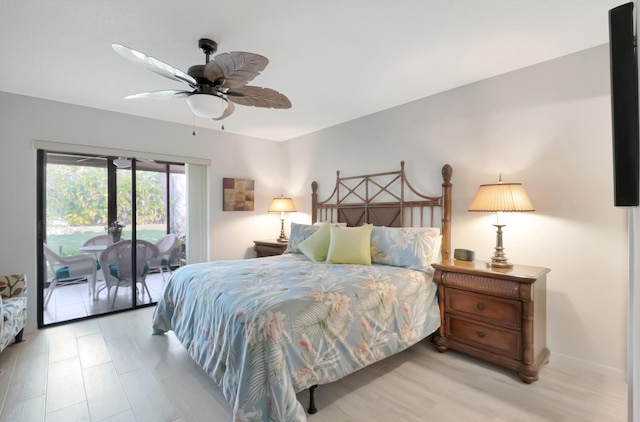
column 71, row 242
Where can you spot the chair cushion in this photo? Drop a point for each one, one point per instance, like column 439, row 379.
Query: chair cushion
column 113, row 269
column 13, row 285
column 63, row 272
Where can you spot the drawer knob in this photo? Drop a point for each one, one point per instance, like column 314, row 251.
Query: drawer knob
column 481, row 306
column 480, row 334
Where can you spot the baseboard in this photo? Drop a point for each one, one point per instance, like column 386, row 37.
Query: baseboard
column 609, row 372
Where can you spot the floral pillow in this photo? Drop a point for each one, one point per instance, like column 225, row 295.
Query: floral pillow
column 297, row 235
column 414, row 248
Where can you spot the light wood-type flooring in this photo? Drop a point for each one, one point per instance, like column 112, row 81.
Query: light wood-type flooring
column 113, row 369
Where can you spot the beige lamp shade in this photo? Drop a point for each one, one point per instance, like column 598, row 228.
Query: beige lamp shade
column 282, row 205
column 501, row 197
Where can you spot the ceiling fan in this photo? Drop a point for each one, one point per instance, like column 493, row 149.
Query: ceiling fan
column 215, row 86
column 119, row 162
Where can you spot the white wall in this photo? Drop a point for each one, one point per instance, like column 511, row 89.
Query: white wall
column 24, row 119
column 547, row 126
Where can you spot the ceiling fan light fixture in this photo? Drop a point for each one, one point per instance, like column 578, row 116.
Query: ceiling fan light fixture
column 122, row 163
column 207, row 106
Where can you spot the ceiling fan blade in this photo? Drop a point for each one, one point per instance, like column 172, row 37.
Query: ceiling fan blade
column 158, row 95
column 80, row 160
column 236, row 68
column 153, row 64
column 227, row 112
column 258, row 97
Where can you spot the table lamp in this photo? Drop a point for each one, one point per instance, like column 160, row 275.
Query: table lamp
column 282, row 205
column 500, row 197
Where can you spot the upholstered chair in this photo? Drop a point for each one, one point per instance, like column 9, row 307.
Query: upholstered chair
column 13, row 307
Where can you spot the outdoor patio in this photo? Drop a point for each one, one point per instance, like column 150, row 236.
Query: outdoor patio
column 73, row 301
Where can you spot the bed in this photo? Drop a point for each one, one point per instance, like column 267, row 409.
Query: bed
column 353, row 288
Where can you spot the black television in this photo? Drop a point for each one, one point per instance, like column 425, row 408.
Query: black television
column 624, row 106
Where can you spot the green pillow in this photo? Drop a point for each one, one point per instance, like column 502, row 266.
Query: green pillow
column 350, row 245
column 315, row 247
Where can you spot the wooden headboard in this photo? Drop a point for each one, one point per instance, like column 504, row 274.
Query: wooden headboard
column 386, row 199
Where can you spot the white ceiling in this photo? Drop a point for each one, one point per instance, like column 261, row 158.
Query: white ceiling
column 336, row 60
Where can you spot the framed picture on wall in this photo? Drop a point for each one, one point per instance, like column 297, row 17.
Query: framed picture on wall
column 238, row 194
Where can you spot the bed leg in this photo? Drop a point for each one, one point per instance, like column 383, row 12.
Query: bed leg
column 312, row 403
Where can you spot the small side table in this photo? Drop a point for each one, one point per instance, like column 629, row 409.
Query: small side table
column 495, row 314
column 269, row 247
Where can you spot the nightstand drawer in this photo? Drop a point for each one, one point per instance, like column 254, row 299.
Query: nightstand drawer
column 499, row 340
column 494, row 310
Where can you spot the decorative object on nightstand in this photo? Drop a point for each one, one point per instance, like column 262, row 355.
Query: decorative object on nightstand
column 495, row 314
column 501, row 197
column 269, row 247
column 464, row 254
column 282, row 205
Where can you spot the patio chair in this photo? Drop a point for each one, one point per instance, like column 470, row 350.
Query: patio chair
column 166, row 245
column 95, row 246
column 115, row 262
column 71, row 269
column 103, row 239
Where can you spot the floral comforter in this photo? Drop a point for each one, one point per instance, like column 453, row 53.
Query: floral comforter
column 267, row 328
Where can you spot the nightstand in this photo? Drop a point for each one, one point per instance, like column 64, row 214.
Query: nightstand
column 495, row 314
column 269, row 247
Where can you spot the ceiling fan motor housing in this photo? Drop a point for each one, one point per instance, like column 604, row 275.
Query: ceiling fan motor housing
column 197, row 73
column 205, row 86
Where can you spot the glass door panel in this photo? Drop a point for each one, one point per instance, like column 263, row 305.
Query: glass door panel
column 151, row 225
column 151, row 196
column 74, row 223
column 81, row 198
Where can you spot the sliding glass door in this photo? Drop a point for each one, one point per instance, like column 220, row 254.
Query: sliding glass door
column 104, row 222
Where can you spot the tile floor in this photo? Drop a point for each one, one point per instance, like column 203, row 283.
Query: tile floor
column 111, row 369
column 73, row 301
